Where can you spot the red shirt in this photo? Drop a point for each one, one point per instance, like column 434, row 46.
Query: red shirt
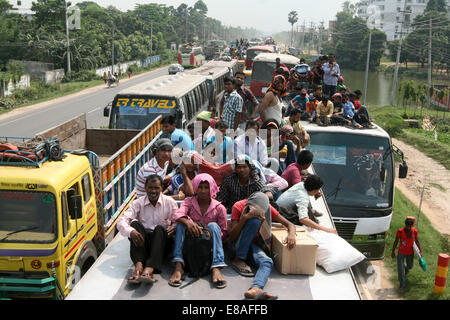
column 406, row 244
column 293, row 175
column 357, row 104
column 239, row 206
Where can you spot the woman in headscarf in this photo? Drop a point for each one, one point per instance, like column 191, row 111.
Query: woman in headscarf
column 250, row 235
column 272, row 103
column 201, row 208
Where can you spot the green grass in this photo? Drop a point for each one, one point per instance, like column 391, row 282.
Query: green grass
column 419, row 284
column 390, row 118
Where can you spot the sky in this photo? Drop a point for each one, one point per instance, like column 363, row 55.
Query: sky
column 269, row 16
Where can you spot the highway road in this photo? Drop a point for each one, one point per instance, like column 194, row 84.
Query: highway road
column 53, row 113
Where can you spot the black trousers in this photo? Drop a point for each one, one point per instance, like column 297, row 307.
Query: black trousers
column 155, row 248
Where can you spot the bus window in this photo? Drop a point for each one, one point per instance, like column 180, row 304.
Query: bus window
column 193, row 103
column 188, row 110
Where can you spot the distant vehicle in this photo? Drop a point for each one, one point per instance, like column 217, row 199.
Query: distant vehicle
column 214, row 48
column 263, row 69
column 295, row 51
column 252, row 52
column 190, row 57
column 175, row 68
column 232, row 65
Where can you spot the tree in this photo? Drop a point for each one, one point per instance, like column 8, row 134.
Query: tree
column 4, row 6
column 292, row 18
column 201, row 7
column 436, row 5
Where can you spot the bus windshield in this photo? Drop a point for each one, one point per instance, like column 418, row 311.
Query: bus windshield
column 27, row 216
column 251, row 54
column 263, row 71
column 357, row 170
column 186, row 49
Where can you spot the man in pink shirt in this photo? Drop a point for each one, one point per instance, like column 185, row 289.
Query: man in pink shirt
column 148, row 224
column 295, row 171
column 204, row 209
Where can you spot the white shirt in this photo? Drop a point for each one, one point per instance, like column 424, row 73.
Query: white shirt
column 256, row 150
column 296, row 198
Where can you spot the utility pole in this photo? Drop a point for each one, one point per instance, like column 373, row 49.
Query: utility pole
column 303, row 35
column 311, row 42
column 399, row 49
column 430, row 66
column 367, row 67
column 68, row 41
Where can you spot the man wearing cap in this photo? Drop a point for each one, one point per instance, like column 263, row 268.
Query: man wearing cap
column 157, row 165
column 407, row 236
column 204, row 118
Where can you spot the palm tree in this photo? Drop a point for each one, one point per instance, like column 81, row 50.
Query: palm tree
column 292, row 18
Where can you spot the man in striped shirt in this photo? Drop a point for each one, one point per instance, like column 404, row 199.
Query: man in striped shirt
column 231, row 106
column 157, row 165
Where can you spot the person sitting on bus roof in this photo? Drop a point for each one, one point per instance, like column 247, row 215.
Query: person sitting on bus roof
column 157, row 165
column 298, row 171
column 244, row 181
column 287, row 135
column 181, row 183
column 324, row 111
column 272, row 101
column 294, row 121
column 178, row 137
column 219, row 148
column 299, row 102
column 232, row 105
column 311, row 106
column 349, row 111
column 341, row 85
column 338, row 111
column 250, row 230
column 251, row 144
column 147, row 223
column 362, row 114
column 201, row 208
column 191, row 130
column 297, row 198
column 207, row 132
column 247, row 96
column 317, row 93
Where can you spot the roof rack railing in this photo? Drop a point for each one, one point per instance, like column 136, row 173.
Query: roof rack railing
column 19, row 151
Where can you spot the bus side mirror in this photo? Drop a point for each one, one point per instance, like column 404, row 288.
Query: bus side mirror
column 106, row 112
column 75, row 207
column 403, row 170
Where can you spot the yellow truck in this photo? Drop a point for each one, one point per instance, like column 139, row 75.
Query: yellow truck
column 57, row 216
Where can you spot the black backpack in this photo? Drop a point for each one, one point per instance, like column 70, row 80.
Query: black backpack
column 197, row 253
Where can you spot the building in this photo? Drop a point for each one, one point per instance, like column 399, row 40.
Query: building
column 22, row 7
column 390, row 14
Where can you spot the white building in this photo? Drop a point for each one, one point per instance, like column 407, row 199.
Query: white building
column 390, row 14
column 22, row 7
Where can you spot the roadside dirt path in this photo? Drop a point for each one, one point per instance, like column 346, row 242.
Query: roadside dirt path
column 436, row 199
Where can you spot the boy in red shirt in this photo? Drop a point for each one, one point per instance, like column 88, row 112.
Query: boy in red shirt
column 407, row 237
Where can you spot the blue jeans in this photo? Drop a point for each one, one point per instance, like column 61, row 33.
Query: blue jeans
column 218, row 255
column 246, row 250
column 402, row 268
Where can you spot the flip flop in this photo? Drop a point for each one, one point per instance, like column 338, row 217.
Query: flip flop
column 177, row 283
column 144, row 278
column 219, row 284
column 134, row 281
column 243, row 271
column 260, row 297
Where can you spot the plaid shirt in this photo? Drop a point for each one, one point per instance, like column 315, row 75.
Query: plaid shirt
column 232, row 191
column 232, row 104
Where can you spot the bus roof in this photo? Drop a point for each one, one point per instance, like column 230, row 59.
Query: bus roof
column 262, row 48
column 166, row 86
column 221, row 63
column 209, row 71
column 271, row 57
column 375, row 132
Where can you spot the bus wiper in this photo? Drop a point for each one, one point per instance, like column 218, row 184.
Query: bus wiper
column 17, row 231
column 335, row 191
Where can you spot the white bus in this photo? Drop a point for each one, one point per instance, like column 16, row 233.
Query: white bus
column 358, row 169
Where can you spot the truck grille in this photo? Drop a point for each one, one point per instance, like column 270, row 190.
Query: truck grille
column 345, row 229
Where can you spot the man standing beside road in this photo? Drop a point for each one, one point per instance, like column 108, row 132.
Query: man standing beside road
column 332, row 72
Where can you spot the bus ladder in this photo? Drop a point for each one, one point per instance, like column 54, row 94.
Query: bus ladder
column 39, row 286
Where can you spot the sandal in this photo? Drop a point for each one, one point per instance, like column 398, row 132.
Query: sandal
column 177, row 283
column 220, row 284
column 261, row 297
column 246, row 272
column 135, row 276
column 145, row 278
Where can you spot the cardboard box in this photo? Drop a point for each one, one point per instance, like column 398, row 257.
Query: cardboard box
column 298, row 260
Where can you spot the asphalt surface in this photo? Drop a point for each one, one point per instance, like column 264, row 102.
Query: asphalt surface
column 31, row 122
